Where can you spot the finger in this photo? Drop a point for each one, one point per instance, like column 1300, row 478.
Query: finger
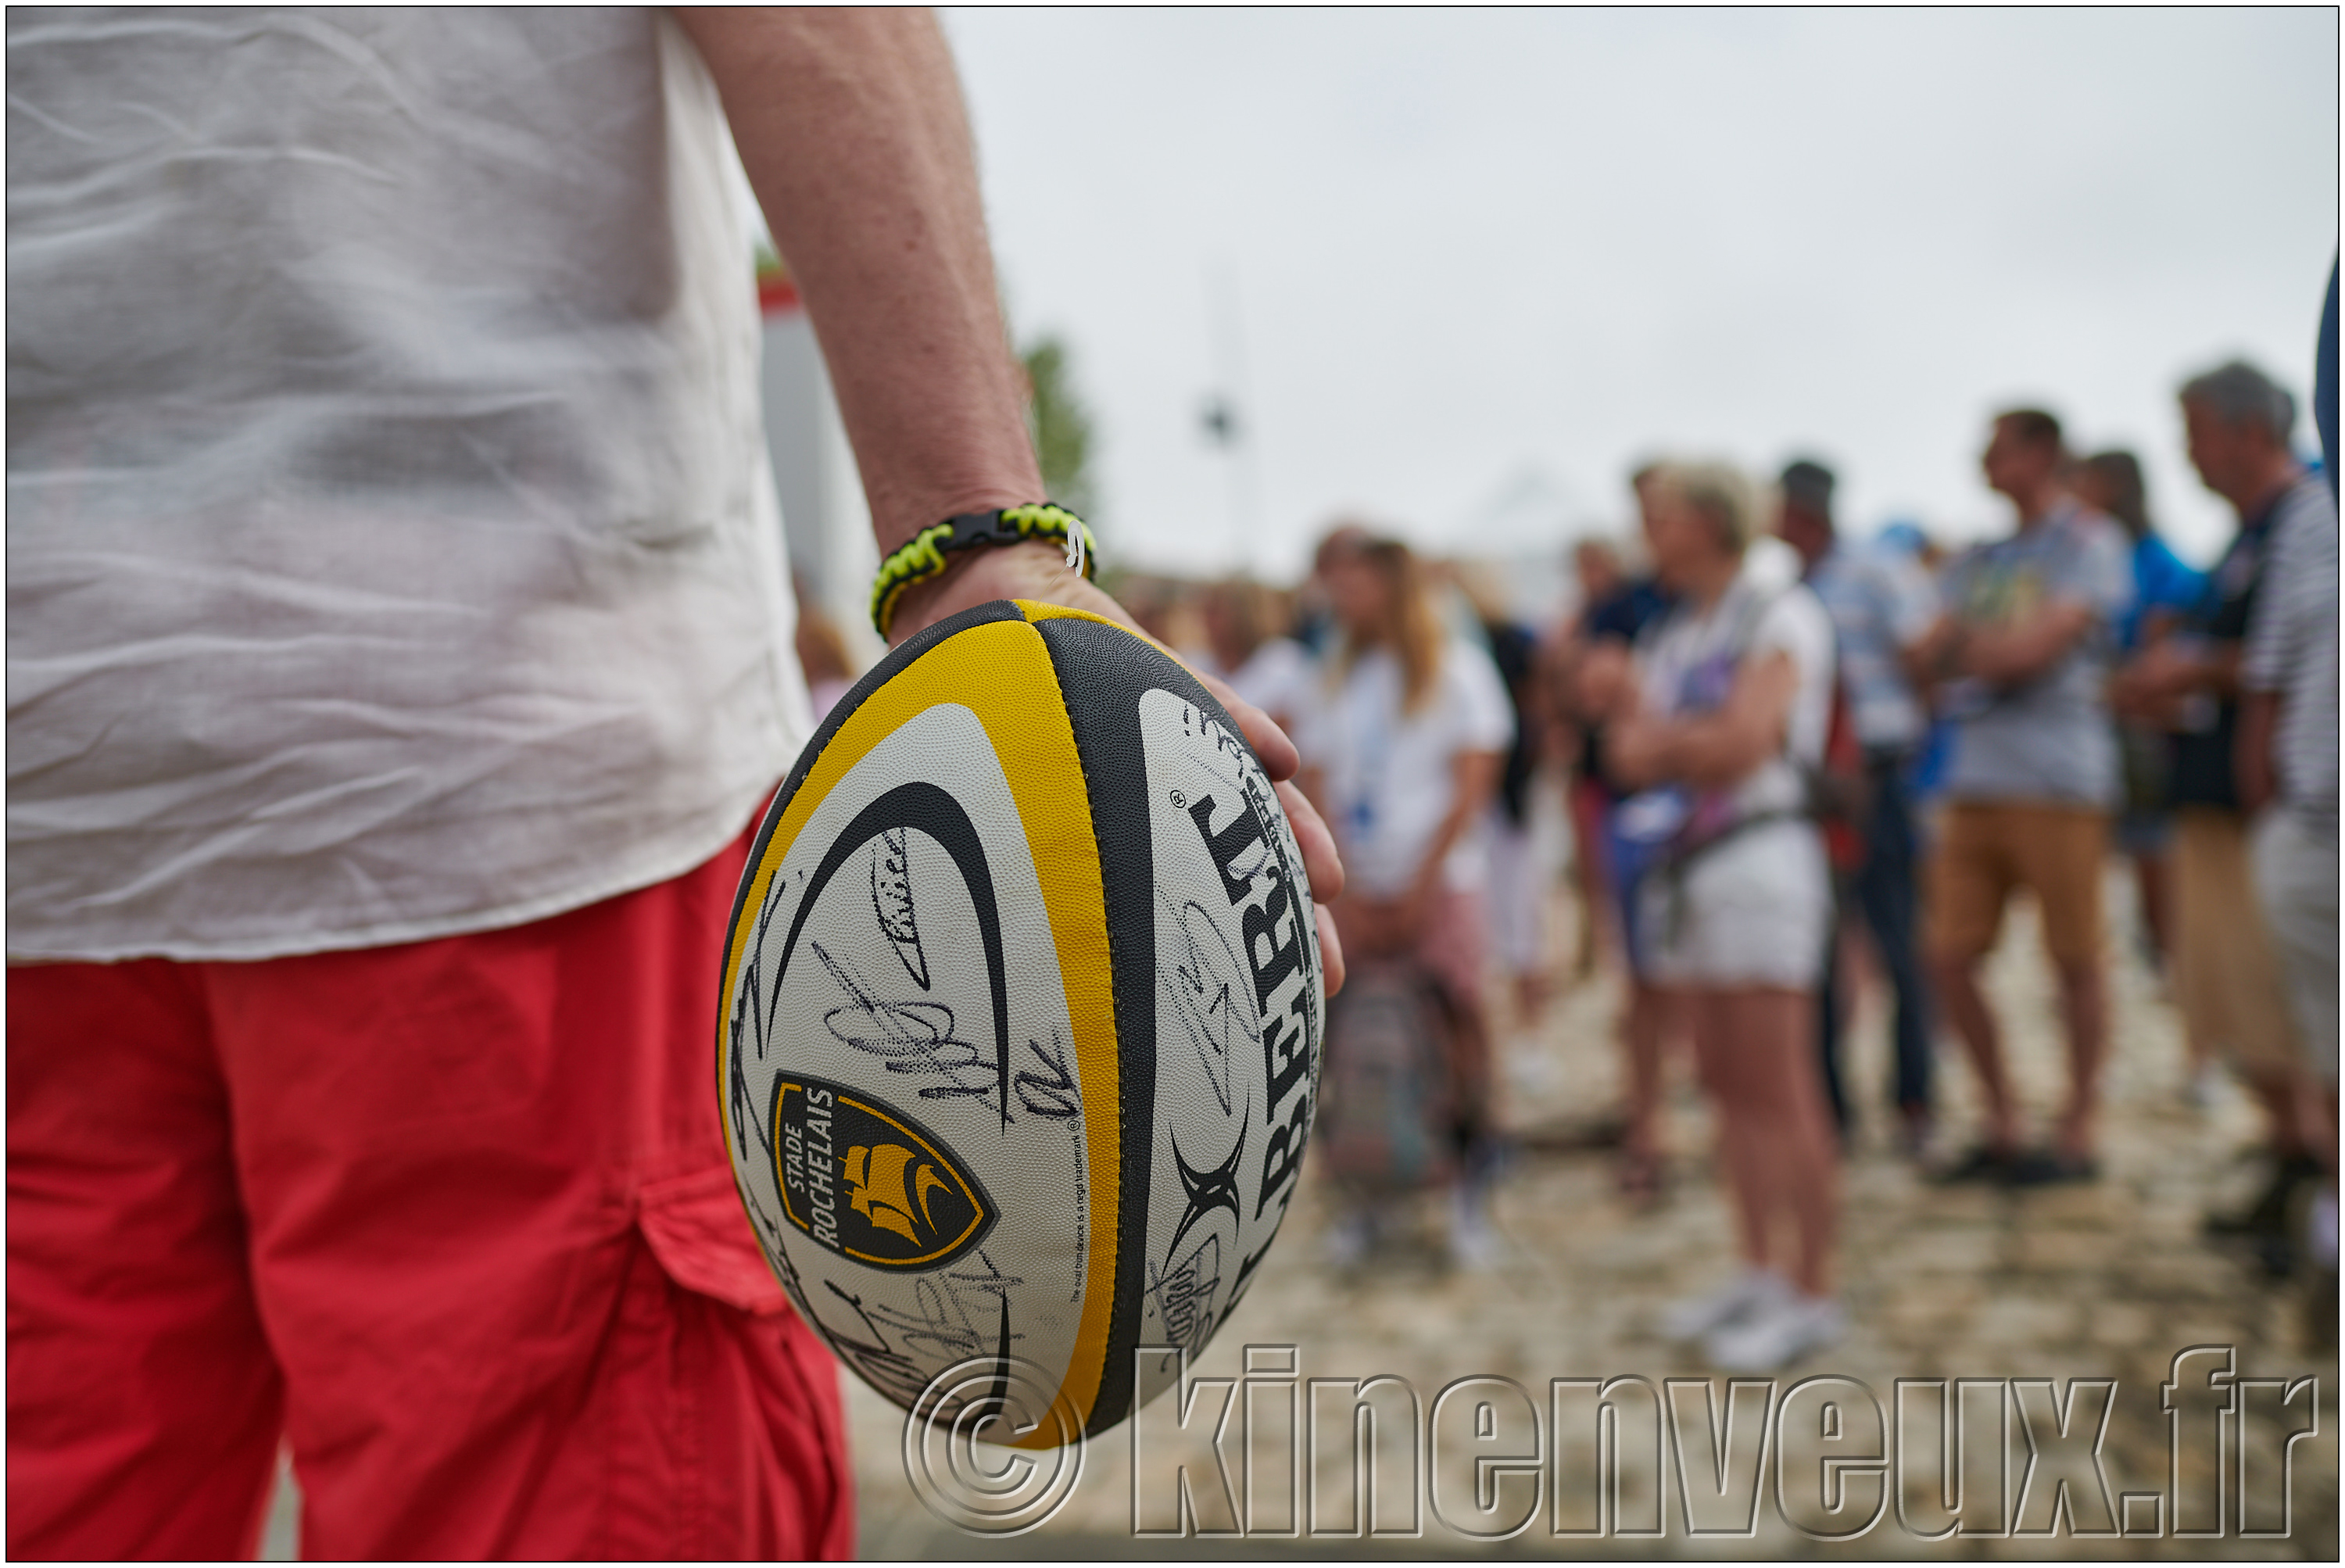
column 1330, row 950
column 1276, row 752
column 1321, row 862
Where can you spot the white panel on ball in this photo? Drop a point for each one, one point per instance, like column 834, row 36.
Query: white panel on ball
column 889, row 995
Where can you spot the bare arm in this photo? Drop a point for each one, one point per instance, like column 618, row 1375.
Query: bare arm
column 2151, row 687
column 851, row 127
column 1474, row 779
column 850, row 124
column 2163, row 671
column 1717, row 747
column 2015, row 655
column 1397, row 924
column 1925, row 660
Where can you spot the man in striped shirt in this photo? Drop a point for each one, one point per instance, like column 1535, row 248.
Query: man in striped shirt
column 2228, row 974
column 2288, row 761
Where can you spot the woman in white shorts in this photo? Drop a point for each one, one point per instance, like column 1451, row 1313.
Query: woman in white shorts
column 1727, row 700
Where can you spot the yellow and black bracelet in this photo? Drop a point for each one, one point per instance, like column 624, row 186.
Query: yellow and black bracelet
column 924, row 556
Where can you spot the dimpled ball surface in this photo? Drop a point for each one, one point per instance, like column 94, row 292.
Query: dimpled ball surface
column 1022, row 1013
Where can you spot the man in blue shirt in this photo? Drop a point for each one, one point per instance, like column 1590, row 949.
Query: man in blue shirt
column 1881, row 605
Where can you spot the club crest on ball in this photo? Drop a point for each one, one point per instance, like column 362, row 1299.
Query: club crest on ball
column 869, row 1182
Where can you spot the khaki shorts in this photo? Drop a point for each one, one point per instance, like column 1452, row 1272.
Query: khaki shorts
column 2227, row 973
column 1987, row 848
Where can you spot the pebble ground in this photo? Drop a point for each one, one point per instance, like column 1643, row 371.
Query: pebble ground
column 2107, row 1279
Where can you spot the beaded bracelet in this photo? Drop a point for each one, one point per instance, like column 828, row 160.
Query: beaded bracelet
column 924, row 555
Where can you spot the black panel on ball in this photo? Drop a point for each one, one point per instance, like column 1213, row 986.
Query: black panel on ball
column 1104, row 671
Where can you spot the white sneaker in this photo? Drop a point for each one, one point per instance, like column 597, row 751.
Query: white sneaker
column 1739, row 1298
column 1772, row 1340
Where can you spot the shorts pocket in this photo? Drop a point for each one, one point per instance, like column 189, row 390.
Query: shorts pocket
column 700, row 1233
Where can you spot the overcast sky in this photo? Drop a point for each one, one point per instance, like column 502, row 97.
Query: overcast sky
column 1470, row 265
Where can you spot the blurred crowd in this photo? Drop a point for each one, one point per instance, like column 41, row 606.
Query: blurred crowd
column 1792, row 761
column 1787, row 772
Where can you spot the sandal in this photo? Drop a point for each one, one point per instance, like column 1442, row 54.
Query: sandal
column 2050, row 1167
column 1984, row 1162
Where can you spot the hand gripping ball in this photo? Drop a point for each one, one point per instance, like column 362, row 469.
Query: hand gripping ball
column 1022, row 1013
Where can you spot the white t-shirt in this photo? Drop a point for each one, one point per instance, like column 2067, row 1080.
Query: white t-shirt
column 1390, row 778
column 392, row 547
column 1278, row 678
column 1687, row 661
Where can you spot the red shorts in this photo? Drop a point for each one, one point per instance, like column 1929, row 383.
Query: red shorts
column 453, row 1219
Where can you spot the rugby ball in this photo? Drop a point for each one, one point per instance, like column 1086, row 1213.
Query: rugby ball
column 1022, row 1013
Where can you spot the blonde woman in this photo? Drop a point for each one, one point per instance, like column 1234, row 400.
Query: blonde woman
column 1401, row 753
column 1709, row 727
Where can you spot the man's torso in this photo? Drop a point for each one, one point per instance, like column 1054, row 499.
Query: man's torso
column 2046, row 739
column 390, row 551
column 2207, row 737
